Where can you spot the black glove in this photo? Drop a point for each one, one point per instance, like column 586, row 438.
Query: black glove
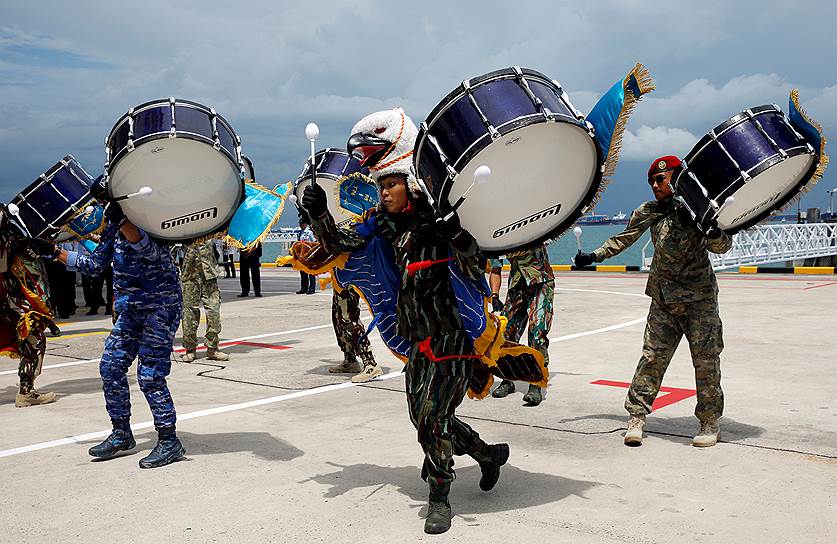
column 496, row 303
column 114, row 214
column 37, row 248
column 314, row 201
column 448, row 229
column 584, row 259
column 99, row 189
column 712, row 230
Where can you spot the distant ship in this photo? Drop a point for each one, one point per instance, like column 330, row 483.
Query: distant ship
column 619, row 219
column 593, row 219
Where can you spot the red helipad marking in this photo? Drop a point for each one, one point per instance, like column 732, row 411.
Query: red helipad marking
column 673, row 394
column 240, row 343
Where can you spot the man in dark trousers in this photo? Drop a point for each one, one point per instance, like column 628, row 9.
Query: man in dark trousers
column 250, row 263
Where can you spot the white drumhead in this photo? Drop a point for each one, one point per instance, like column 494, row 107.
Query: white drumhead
column 534, row 170
column 196, row 188
column 329, row 185
column 764, row 191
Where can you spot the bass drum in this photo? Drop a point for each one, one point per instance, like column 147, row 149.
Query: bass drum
column 333, row 166
column 191, row 158
column 757, row 157
column 546, row 165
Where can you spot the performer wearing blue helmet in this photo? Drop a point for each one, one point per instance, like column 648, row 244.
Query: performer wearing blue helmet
column 147, row 308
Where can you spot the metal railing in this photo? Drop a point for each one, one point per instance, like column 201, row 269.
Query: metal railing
column 767, row 244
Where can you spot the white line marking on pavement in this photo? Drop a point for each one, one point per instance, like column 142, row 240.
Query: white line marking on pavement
column 597, row 331
column 602, row 292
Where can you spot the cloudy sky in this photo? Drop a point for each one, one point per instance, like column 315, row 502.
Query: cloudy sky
column 68, row 70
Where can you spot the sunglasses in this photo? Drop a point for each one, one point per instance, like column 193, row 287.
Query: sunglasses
column 658, row 178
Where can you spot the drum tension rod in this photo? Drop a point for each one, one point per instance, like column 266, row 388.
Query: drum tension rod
column 466, row 84
column 173, row 129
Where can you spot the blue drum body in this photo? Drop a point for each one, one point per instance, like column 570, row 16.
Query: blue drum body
column 333, row 167
column 546, row 166
column 189, row 155
column 53, row 199
column 756, row 157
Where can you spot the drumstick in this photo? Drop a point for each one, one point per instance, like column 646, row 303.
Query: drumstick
column 577, row 232
column 143, row 191
column 481, row 175
column 14, row 210
column 312, row 132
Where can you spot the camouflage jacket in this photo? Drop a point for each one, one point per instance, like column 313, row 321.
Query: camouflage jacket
column 426, row 306
column 680, row 269
column 199, row 263
column 144, row 275
column 528, row 267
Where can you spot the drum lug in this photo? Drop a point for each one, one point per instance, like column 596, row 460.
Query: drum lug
column 172, row 130
column 591, row 130
column 494, row 132
column 452, row 173
column 525, row 85
column 547, row 113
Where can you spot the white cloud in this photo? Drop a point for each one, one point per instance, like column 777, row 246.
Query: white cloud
column 648, row 143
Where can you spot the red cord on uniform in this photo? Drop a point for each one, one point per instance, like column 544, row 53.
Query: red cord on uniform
column 427, row 351
column 412, row 268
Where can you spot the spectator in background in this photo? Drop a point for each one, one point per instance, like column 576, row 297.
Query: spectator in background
column 228, row 254
column 307, row 282
column 250, row 263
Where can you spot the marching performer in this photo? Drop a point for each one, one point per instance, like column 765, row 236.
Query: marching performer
column 147, row 309
column 441, row 358
column 24, row 310
column 684, row 301
column 528, row 303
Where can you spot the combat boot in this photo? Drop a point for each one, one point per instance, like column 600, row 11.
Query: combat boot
column 438, row 511
column 33, row 398
column 709, row 434
column 189, row 356
column 348, row 366
column 216, row 355
column 168, row 450
column 120, row 439
column 505, row 388
column 496, row 456
column 369, row 372
column 534, row 396
column 636, row 425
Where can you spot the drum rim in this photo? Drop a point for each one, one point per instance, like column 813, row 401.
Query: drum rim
column 115, row 157
column 334, row 150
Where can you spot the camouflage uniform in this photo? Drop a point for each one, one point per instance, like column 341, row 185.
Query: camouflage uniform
column 684, row 301
column 199, row 280
column 345, row 315
column 148, row 305
column 530, row 297
column 427, row 308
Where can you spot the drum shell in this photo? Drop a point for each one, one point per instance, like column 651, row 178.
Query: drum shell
column 53, row 199
column 455, row 133
column 197, row 186
column 729, row 159
column 332, row 166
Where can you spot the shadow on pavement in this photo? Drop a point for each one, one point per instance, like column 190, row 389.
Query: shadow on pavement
column 261, row 444
column 516, row 489
column 684, row 426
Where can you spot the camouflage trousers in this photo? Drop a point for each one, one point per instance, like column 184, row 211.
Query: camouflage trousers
column 31, row 360
column 147, row 334
column 345, row 316
column 667, row 324
column 530, row 304
column 195, row 294
column 434, row 391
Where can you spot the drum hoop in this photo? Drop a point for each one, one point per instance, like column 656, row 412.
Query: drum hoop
column 165, row 135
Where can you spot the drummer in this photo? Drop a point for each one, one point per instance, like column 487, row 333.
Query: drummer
column 684, row 301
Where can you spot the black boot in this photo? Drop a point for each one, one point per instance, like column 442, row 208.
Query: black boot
column 534, row 396
column 121, row 439
column 168, row 450
column 438, row 511
column 503, row 390
column 495, row 456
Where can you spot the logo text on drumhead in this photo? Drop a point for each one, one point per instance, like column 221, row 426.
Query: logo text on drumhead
column 758, row 207
column 552, row 210
column 209, row 213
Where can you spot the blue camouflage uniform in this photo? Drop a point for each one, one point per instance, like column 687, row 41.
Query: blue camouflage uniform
column 148, row 303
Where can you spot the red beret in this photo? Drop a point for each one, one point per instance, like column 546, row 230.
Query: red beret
column 663, row 164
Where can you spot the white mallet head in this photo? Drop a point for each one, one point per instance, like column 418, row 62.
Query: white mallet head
column 577, row 232
column 145, row 191
column 729, row 200
column 292, row 198
column 13, row 209
column 89, row 209
column 312, row 131
column 481, row 174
